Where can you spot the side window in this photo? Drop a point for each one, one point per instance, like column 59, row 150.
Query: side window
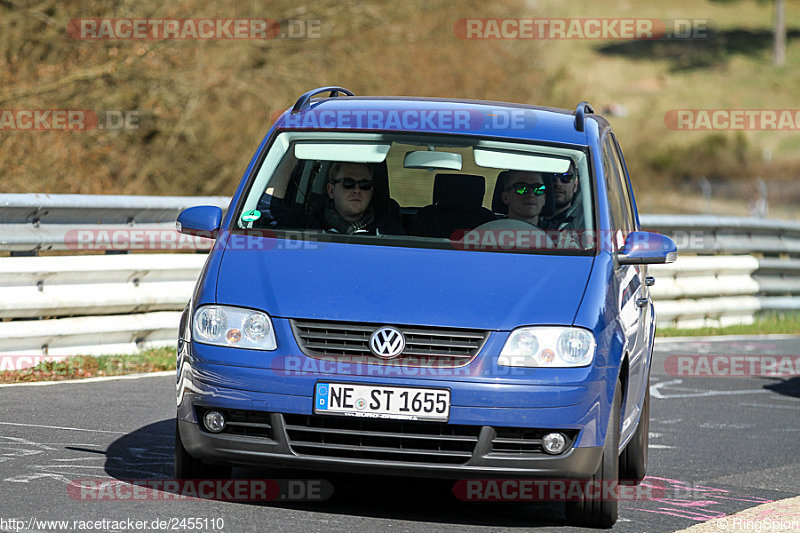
column 613, row 187
column 626, row 194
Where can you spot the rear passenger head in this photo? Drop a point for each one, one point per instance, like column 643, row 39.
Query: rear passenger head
column 566, row 187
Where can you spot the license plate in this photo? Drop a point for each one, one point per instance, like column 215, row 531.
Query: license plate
column 373, row 401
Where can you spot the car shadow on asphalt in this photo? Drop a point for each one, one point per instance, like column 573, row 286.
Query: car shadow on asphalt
column 147, row 454
column 787, row 387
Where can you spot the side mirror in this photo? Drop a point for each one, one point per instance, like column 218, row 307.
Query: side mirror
column 200, row 221
column 646, row 248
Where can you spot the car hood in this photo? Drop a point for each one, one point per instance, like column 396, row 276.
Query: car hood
column 400, row 285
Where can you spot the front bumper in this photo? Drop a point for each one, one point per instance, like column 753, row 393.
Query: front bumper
column 277, row 452
column 484, row 408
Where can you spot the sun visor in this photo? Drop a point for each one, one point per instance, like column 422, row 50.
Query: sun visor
column 345, row 152
column 520, row 161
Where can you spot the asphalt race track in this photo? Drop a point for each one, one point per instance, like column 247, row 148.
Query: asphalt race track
column 731, row 442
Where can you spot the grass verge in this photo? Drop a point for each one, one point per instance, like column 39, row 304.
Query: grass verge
column 772, row 323
column 88, row 366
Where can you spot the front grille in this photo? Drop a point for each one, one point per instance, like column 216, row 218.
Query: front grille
column 387, row 440
column 521, row 441
column 425, row 345
column 240, row 422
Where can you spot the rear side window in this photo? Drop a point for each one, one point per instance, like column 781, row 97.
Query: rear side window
column 618, row 202
column 626, row 193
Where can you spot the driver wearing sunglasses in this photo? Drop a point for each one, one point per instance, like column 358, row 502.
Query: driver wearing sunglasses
column 524, row 194
column 350, row 193
column 349, row 188
column 349, row 209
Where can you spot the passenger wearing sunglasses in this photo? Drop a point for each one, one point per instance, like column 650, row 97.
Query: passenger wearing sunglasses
column 568, row 209
column 524, row 194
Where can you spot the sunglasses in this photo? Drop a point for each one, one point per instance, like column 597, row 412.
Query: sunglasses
column 566, row 177
column 524, row 188
column 349, row 183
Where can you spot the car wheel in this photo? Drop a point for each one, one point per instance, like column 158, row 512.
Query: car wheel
column 633, row 460
column 597, row 512
column 188, row 467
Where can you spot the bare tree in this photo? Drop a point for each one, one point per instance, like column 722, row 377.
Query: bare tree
column 778, row 30
column 780, row 35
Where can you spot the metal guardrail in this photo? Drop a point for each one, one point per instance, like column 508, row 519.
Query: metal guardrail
column 773, row 244
column 729, row 270
column 97, row 208
column 728, row 235
column 88, row 335
column 30, row 223
column 70, row 285
column 93, row 304
column 698, row 291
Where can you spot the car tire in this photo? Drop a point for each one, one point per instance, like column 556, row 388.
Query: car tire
column 633, row 460
column 188, row 467
column 598, row 512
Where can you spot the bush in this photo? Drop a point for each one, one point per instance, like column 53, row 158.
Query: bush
column 715, row 156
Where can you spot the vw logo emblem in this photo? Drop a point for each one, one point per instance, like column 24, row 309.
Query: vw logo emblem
column 387, row 342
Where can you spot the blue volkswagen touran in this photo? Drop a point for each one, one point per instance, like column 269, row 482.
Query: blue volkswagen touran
column 424, row 287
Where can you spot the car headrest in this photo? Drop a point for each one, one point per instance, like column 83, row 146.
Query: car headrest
column 380, row 194
column 458, row 191
column 498, row 206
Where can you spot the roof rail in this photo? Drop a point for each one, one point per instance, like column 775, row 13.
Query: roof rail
column 583, row 108
column 305, row 100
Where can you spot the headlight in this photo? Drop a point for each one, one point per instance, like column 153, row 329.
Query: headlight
column 223, row 325
column 548, row 347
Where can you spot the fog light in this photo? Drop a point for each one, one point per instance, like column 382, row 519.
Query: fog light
column 554, row 443
column 214, row 421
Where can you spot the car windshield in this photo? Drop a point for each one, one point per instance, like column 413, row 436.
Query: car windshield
column 422, row 191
